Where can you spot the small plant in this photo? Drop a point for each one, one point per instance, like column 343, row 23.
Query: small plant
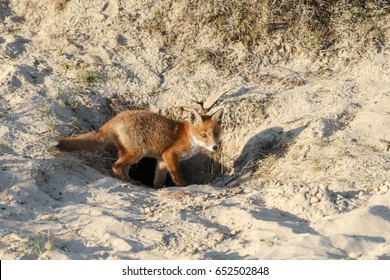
column 317, row 165
column 141, row 106
column 157, row 23
column 43, row 175
column 66, row 99
column 89, row 76
column 59, row 5
column 48, row 217
column 204, row 54
column 203, row 88
column 41, row 243
column 64, row 247
column 155, row 91
column 267, row 163
column 119, row 103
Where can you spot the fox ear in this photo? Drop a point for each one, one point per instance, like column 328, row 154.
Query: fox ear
column 217, row 116
column 195, row 118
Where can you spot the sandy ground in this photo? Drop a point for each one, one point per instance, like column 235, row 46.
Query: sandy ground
column 307, row 157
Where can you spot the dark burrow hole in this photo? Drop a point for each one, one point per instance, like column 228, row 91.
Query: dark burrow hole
column 144, row 170
column 200, row 169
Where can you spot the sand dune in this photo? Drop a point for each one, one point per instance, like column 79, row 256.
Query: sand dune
column 306, row 158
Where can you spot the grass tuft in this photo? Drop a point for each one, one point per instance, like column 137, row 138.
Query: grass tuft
column 40, row 243
column 89, row 77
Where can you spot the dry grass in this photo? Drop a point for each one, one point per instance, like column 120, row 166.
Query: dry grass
column 176, row 195
column 60, row 5
column 311, row 23
column 119, row 103
column 270, row 31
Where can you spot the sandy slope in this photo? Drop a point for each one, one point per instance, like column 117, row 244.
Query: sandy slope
column 310, row 159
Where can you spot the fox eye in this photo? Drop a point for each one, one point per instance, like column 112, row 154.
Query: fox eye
column 203, row 135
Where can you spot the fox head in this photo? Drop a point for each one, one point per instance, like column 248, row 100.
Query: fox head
column 205, row 131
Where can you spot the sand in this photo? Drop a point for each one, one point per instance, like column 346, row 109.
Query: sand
column 306, row 157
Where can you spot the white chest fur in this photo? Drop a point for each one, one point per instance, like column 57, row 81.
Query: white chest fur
column 195, row 149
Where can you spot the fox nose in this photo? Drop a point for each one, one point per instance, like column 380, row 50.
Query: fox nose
column 215, row 148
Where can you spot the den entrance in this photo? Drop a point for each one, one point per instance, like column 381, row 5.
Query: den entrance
column 200, row 169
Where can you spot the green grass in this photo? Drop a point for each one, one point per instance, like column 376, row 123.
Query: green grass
column 89, row 76
column 40, row 243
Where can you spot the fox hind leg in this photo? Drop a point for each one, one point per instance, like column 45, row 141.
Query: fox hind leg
column 122, row 165
column 160, row 174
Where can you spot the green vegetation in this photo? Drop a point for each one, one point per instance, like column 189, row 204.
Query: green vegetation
column 40, row 243
column 88, row 76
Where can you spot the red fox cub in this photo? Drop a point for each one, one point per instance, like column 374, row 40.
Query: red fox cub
column 138, row 134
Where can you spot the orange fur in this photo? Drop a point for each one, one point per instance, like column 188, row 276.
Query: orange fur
column 138, row 134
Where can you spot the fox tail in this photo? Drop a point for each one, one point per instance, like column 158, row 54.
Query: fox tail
column 89, row 142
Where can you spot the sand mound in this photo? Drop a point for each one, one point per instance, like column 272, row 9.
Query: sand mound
column 303, row 173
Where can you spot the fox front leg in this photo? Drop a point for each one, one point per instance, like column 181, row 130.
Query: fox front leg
column 172, row 162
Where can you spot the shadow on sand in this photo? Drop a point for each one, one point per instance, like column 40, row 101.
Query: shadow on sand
column 273, row 141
